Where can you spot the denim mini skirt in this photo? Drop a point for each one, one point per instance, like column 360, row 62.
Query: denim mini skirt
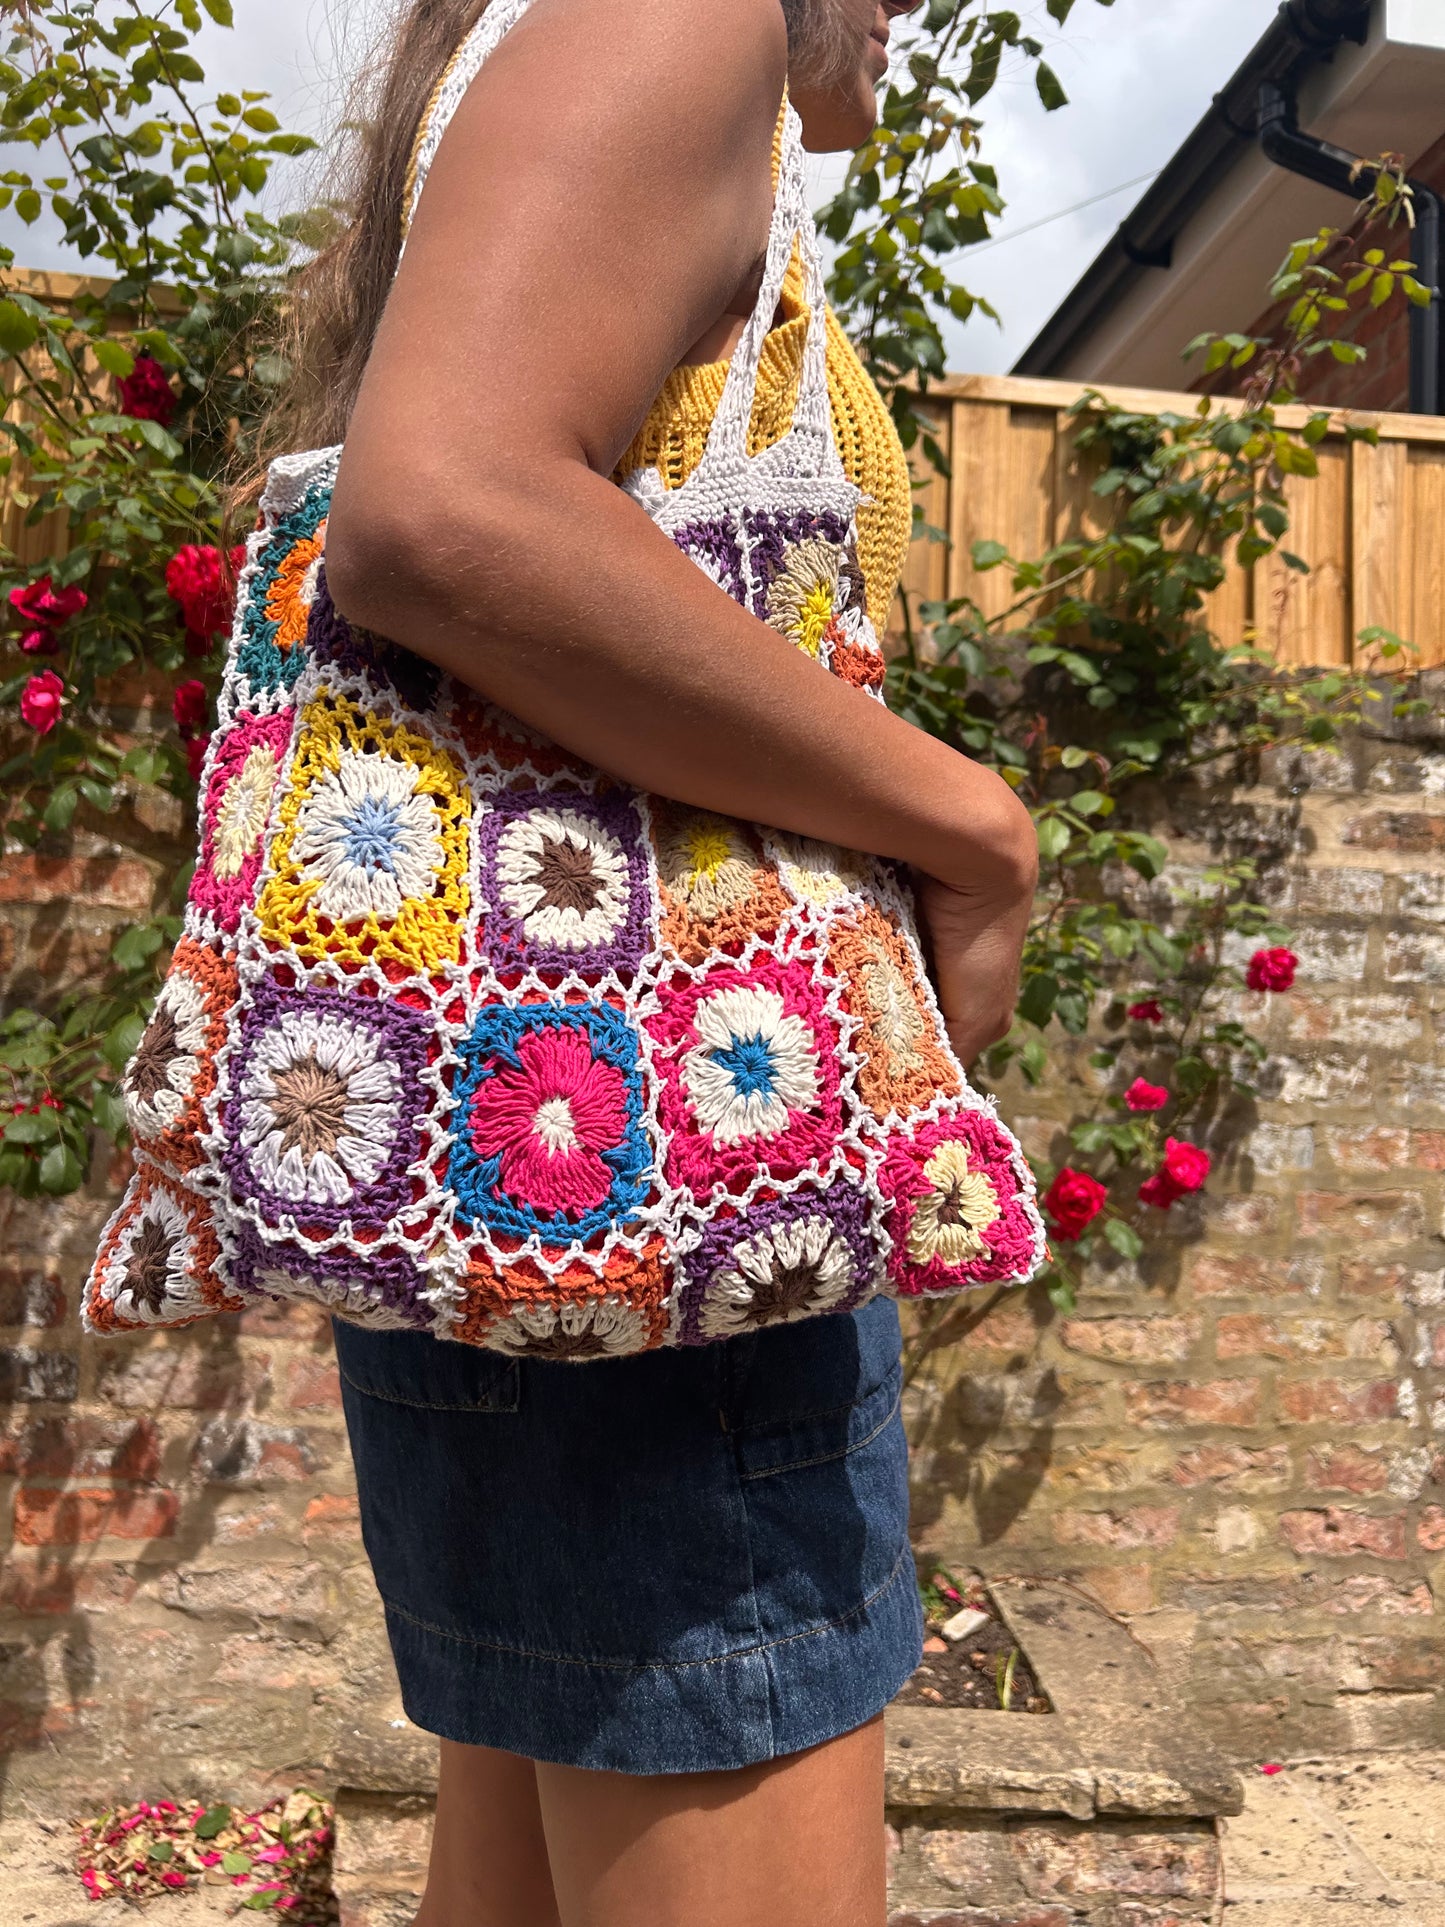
column 687, row 1560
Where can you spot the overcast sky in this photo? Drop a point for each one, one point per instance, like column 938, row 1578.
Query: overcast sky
column 1138, row 74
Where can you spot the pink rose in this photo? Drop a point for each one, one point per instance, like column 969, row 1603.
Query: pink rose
column 1073, row 1201
column 1271, row 969
column 1147, row 1012
column 1161, row 1191
column 1146, row 1097
column 41, row 700
column 203, row 584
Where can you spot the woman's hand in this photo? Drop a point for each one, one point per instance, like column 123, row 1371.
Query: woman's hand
column 975, row 939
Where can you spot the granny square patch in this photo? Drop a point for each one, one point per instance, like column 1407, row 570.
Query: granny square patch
column 717, row 888
column 548, row 1143
column 369, row 858
column 780, row 1258
column 245, row 767
column 566, row 878
column 322, row 1121
column 958, row 1206
column 277, row 592
column 902, row 1064
column 747, row 1058
column 173, row 1071
column 160, row 1260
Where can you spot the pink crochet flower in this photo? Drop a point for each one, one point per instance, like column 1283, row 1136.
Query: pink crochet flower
column 959, row 1210
column 41, row 701
column 1271, row 969
column 547, row 1118
column 1146, row 1097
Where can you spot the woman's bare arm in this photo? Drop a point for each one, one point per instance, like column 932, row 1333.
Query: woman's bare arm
column 602, row 193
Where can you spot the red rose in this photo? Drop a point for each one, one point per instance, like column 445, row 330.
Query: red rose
column 145, row 393
column 189, row 704
column 1271, row 969
column 196, row 749
column 1187, row 1165
column 44, row 608
column 1146, row 1097
column 1147, row 1012
column 1073, row 1201
column 198, row 579
column 41, row 700
column 1160, row 1190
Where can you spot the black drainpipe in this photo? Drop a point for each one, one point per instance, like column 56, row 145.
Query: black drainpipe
column 1319, row 160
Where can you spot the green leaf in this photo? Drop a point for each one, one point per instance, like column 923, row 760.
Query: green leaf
column 1051, row 92
column 258, row 1902
column 1123, row 1237
column 32, row 1127
column 212, row 1821
column 59, row 1170
column 988, row 555
column 120, row 1041
column 1055, row 837
column 27, row 206
column 234, row 1863
column 1036, row 1005
column 18, row 330
column 135, row 945
column 162, row 1850
column 115, row 358
column 1062, row 1295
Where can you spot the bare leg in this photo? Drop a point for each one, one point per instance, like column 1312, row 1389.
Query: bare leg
column 787, row 1844
column 488, row 1855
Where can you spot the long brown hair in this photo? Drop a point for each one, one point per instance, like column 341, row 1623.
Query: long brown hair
column 334, row 303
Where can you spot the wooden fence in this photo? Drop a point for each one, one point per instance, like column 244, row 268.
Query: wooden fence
column 1371, row 524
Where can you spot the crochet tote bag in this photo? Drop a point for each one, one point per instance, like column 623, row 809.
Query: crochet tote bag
column 463, row 1036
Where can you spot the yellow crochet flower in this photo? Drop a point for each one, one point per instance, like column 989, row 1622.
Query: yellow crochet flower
column 802, row 596
column 370, row 856
column 957, row 1207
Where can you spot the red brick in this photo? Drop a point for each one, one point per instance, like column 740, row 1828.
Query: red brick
column 50, row 1584
column 313, row 1384
column 986, row 1917
column 1310, row 1401
column 1336, row 1532
column 84, row 1448
column 1371, row 1217
column 101, row 882
column 1120, row 1589
column 1375, row 1281
column 1143, row 1525
column 31, row 1297
column 1153, row 1341
column 1251, row 1216
column 1218, row 1401
column 1233, row 1468
column 1246, row 1336
column 331, row 1515
column 193, row 1375
column 282, row 1318
column 1220, row 1274
column 1346, row 1468
column 1378, row 1149
column 1412, row 830
column 1072, row 1857
column 1431, row 1529
column 45, row 1516
column 1427, row 1150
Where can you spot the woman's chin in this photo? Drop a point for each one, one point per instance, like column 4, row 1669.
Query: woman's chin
column 839, row 124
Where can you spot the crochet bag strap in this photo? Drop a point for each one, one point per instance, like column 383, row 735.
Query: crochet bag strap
column 808, row 447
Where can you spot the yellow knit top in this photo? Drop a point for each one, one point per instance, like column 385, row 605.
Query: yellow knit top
column 675, row 431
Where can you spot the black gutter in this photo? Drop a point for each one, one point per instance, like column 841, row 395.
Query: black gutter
column 1337, row 168
column 1303, row 33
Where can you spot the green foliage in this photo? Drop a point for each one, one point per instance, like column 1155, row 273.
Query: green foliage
column 154, row 180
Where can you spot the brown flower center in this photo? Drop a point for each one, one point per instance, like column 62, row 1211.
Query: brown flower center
column 786, row 1291
column 157, row 1051
column 309, row 1106
column 563, row 1344
column 567, row 876
column 148, row 1267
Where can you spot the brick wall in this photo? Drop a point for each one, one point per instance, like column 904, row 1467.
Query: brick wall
column 1382, row 380
column 1240, row 1441
column 1241, row 1438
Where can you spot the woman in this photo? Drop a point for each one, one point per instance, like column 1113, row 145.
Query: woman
column 653, row 1607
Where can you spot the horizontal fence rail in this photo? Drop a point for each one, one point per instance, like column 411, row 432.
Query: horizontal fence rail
column 1371, row 524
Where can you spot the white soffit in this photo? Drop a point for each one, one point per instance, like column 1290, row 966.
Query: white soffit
column 1385, row 97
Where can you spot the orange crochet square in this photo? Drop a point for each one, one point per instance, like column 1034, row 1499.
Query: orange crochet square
column 515, row 1306
column 716, row 885
column 903, row 1064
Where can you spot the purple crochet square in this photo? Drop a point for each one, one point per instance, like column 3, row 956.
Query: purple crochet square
column 565, row 875
column 382, row 1281
column 714, row 546
column 326, row 1099
column 771, row 534
column 780, row 1258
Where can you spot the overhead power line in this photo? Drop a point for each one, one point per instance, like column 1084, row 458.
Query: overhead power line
column 1062, row 213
